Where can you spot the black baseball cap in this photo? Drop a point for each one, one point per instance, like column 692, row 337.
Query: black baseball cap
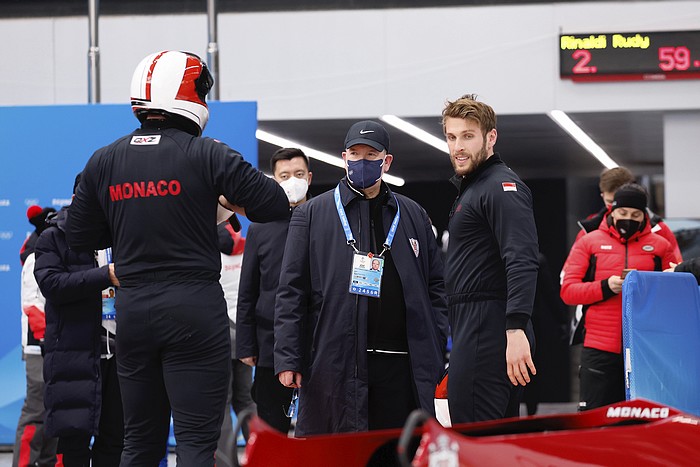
column 369, row 133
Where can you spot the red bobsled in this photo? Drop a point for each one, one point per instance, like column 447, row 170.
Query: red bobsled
column 637, row 432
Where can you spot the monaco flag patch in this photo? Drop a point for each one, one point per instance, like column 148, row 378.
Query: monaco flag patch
column 509, row 186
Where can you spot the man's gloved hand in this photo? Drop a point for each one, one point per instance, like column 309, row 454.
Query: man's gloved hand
column 37, row 321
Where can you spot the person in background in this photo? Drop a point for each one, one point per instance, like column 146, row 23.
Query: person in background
column 491, row 270
column 610, row 181
column 549, row 322
column 690, row 265
column 256, row 297
column 82, row 396
column 37, row 217
column 153, row 195
column 364, row 355
column 32, row 445
column 231, row 246
column 593, row 276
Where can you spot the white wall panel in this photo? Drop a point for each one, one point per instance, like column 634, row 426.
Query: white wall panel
column 336, row 64
column 682, row 164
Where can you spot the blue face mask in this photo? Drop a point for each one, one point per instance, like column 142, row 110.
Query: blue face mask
column 363, row 173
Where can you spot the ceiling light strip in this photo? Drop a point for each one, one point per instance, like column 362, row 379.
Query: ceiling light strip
column 336, row 161
column 568, row 125
column 420, row 135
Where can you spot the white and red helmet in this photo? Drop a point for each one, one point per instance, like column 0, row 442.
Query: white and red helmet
column 172, row 82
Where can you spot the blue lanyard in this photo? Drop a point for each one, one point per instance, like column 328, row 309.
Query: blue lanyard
column 346, row 225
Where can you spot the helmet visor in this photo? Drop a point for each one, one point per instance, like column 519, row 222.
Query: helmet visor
column 205, row 81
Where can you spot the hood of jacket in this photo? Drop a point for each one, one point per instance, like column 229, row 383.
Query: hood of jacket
column 58, row 218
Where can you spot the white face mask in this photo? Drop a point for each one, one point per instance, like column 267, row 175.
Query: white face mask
column 295, row 188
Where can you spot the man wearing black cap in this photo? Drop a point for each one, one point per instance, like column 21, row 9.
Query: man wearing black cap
column 593, row 275
column 365, row 346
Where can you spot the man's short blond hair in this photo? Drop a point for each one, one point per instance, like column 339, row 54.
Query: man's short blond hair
column 468, row 108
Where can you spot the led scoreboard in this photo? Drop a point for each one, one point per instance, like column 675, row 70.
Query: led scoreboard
column 630, row 56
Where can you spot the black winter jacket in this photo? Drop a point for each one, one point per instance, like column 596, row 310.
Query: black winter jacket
column 316, row 317
column 72, row 284
column 692, row 266
column 260, row 275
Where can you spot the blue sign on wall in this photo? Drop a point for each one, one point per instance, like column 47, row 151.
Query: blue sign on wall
column 43, row 148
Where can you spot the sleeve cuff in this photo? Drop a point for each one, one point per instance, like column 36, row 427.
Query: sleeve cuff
column 607, row 292
column 517, row 321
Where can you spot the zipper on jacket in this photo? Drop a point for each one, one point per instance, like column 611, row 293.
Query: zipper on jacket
column 374, row 246
column 357, row 325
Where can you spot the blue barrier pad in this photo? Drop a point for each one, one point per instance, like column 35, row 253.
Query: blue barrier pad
column 661, row 338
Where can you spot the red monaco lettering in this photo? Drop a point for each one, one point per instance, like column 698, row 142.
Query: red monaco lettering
column 139, row 189
column 144, row 189
column 115, row 193
column 128, row 190
column 162, row 187
column 174, row 187
column 151, row 189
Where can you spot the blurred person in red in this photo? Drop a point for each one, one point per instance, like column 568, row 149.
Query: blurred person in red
column 593, row 276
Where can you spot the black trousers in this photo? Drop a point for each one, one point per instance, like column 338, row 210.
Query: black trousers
column 109, row 441
column 392, row 393
column 174, row 354
column 478, row 387
column 272, row 399
column 602, row 378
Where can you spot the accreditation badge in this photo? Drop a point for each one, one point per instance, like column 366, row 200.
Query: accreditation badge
column 366, row 278
column 104, row 257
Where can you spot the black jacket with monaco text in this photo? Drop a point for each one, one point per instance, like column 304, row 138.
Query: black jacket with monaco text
column 492, row 250
column 152, row 195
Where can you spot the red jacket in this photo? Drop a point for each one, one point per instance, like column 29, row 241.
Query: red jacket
column 607, row 254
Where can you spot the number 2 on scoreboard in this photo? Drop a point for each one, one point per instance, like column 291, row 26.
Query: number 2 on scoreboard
column 581, row 67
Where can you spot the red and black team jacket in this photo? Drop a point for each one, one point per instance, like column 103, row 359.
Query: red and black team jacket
column 593, row 259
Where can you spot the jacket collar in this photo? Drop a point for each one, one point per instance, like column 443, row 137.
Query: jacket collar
column 348, row 194
column 607, row 226
column 589, row 224
column 462, row 181
column 58, row 218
